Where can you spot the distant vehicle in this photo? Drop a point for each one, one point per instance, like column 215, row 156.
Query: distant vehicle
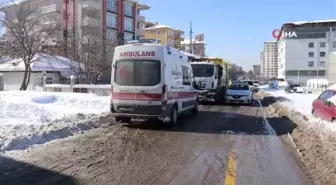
column 281, row 83
column 239, row 93
column 251, row 85
column 294, row 88
column 323, row 107
column 151, row 81
column 256, row 83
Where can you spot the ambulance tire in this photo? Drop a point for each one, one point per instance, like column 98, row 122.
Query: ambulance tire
column 173, row 116
column 195, row 109
column 123, row 119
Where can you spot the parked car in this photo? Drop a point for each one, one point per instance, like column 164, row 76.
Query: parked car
column 239, row 93
column 323, row 107
column 294, row 88
column 256, row 83
column 251, row 85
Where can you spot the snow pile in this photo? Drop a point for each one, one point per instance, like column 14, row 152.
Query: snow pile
column 66, row 66
column 302, row 103
column 28, row 118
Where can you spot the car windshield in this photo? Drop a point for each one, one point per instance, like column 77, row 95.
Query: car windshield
column 256, row 82
column 239, row 87
column 202, row 70
column 137, row 72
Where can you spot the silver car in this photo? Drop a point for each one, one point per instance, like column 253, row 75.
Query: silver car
column 239, row 93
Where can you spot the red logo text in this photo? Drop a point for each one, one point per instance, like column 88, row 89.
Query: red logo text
column 137, row 54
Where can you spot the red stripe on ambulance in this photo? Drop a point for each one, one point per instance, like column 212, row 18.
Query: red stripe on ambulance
column 151, row 97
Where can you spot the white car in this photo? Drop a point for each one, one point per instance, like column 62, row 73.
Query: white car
column 256, row 83
column 239, row 93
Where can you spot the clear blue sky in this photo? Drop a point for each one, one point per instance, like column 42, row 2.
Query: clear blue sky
column 236, row 29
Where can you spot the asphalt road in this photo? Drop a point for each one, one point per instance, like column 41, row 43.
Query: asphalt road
column 228, row 145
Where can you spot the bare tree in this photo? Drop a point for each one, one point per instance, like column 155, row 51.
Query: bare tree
column 27, row 32
column 90, row 50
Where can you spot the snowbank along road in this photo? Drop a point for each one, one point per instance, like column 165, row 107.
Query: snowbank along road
column 230, row 145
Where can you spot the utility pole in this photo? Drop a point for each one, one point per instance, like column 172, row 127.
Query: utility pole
column 191, row 39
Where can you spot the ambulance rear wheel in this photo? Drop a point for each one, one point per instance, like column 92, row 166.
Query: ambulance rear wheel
column 173, row 116
column 123, row 119
column 195, row 109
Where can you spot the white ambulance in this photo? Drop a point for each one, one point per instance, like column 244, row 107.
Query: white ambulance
column 151, row 81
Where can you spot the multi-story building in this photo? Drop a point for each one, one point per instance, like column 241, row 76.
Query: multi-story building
column 268, row 59
column 2, row 29
column 256, row 70
column 165, row 35
column 261, row 64
column 120, row 19
column 198, row 45
column 303, row 50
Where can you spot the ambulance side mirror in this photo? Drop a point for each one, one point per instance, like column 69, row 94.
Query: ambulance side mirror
column 194, row 84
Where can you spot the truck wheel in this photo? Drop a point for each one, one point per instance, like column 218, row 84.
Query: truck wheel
column 123, row 119
column 195, row 109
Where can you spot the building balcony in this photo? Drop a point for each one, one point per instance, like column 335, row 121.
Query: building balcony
column 141, row 18
column 140, row 32
column 91, row 21
column 51, row 9
column 91, row 4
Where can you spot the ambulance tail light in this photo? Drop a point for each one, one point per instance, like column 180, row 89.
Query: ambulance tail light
column 111, row 91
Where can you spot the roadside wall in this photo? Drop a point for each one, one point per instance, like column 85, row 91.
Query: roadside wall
column 101, row 90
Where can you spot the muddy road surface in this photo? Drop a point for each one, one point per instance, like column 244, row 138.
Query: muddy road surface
column 230, row 145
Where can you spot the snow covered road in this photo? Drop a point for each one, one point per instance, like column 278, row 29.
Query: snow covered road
column 28, row 118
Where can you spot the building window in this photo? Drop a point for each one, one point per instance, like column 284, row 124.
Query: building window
column 334, row 44
column 311, row 64
column 311, row 44
column 322, row 64
column 128, row 9
column 311, row 54
column 185, row 75
column 129, row 24
column 128, row 36
column 170, row 43
column 111, row 20
column 322, row 54
column 322, row 44
column 112, row 5
column 112, row 35
column 158, row 32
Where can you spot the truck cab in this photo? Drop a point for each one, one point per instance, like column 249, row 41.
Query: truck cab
column 208, row 76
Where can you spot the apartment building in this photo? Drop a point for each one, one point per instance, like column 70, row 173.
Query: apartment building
column 303, row 50
column 120, row 19
column 2, row 29
column 269, row 59
column 165, row 35
column 261, row 61
column 198, row 45
column 256, row 70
